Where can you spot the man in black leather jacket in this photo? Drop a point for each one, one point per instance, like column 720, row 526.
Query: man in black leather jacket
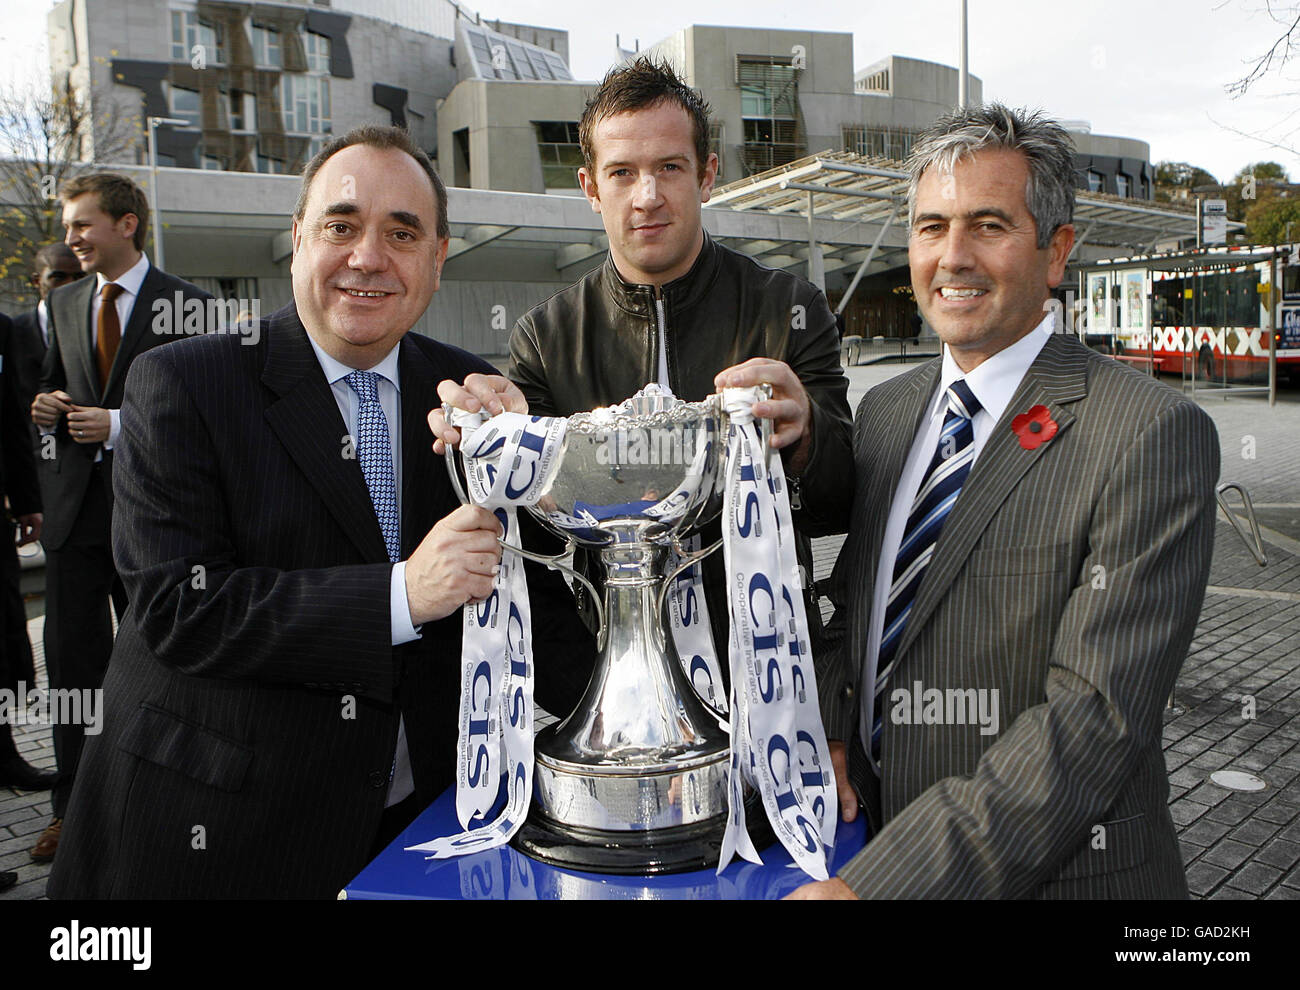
column 670, row 305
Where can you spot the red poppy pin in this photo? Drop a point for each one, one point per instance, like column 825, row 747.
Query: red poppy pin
column 1034, row 427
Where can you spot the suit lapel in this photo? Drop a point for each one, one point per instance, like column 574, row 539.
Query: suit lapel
column 419, row 464
column 1057, row 378
column 887, row 467
column 76, row 315
column 878, row 477
column 306, row 419
column 135, row 331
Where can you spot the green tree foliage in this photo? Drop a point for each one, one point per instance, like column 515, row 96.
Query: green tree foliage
column 1182, row 181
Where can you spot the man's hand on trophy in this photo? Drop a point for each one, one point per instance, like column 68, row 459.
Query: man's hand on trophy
column 454, row 564
column 833, row 889
column 491, row 393
column 788, row 408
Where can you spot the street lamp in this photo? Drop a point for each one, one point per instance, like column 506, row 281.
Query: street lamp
column 963, row 77
column 159, row 260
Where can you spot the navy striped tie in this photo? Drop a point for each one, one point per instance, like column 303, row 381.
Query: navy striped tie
column 934, row 499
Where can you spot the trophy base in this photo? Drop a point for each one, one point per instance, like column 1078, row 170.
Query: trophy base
column 651, row 852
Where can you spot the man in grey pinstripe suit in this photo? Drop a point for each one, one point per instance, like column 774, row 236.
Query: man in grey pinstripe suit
column 1016, row 704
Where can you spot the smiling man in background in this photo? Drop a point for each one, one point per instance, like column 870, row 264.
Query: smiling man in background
column 97, row 327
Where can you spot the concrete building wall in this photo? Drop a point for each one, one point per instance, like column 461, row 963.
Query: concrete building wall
column 498, row 115
column 919, row 92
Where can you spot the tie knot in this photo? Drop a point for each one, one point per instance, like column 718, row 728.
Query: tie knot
column 365, row 384
column 110, row 291
column 962, row 401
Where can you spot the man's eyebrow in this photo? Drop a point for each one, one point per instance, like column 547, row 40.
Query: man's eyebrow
column 989, row 211
column 983, row 211
column 347, row 209
column 409, row 219
column 680, row 156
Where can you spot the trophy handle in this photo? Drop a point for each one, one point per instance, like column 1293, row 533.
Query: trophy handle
column 553, row 562
column 689, row 559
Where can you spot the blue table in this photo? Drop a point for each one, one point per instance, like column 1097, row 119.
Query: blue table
column 506, row 874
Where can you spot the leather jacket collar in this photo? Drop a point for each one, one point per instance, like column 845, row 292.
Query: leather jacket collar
column 684, row 291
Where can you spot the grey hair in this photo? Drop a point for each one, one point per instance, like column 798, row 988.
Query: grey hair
column 1047, row 148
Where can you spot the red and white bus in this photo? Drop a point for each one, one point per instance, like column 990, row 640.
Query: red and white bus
column 1202, row 313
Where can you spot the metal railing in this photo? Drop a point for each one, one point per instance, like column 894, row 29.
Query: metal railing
column 855, row 350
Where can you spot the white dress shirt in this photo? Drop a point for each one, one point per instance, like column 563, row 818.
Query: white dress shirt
column 994, row 382
column 43, row 318
column 130, row 281
column 399, row 608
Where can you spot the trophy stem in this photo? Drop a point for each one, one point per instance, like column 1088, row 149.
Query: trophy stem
column 641, row 763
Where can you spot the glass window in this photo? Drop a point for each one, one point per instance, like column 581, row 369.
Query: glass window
column 1096, row 182
column 238, row 121
column 185, row 105
column 190, row 31
column 268, row 164
column 317, row 47
column 266, row 47
column 305, row 101
column 561, row 155
column 1122, row 184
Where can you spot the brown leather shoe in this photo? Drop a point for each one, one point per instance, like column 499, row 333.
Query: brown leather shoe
column 48, row 844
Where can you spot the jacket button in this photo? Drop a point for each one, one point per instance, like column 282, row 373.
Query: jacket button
column 847, row 693
column 378, row 778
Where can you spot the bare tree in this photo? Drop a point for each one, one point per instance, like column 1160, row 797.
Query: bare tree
column 1284, row 48
column 45, row 134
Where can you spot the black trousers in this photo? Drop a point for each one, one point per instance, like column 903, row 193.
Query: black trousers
column 79, row 582
column 15, row 649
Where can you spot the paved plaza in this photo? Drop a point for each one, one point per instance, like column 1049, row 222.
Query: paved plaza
column 1236, row 706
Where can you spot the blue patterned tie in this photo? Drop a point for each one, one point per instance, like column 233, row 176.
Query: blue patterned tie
column 376, row 455
column 936, row 496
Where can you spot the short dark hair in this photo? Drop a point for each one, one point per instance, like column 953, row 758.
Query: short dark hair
column 642, row 83
column 49, row 256
column 383, row 137
column 118, row 196
column 1048, row 151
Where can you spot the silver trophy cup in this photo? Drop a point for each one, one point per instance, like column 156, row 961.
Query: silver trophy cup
column 634, row 780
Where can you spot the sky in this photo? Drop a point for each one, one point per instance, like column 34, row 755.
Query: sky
column 1155, row 70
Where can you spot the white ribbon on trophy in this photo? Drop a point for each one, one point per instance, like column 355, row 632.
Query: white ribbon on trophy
column 777, row 740
column 510, row 460
column 692, row 632
column 778, row 743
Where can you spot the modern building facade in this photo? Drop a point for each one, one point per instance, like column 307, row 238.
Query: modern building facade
column 260, row 85
column 777, row 96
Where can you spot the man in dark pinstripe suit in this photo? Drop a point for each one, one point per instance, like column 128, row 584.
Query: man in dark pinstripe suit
column 283, row 695
column 1002, row 729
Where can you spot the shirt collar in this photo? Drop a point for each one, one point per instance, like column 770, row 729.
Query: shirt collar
column 130, row 280
column 336, row 370
column 43, row 317
column 996, row 378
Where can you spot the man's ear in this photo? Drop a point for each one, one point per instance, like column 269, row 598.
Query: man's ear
column 129, row 222
column 295, row 236
column 439, row 259
column 1058, row 253
column 710, row 177
column 588, row 183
